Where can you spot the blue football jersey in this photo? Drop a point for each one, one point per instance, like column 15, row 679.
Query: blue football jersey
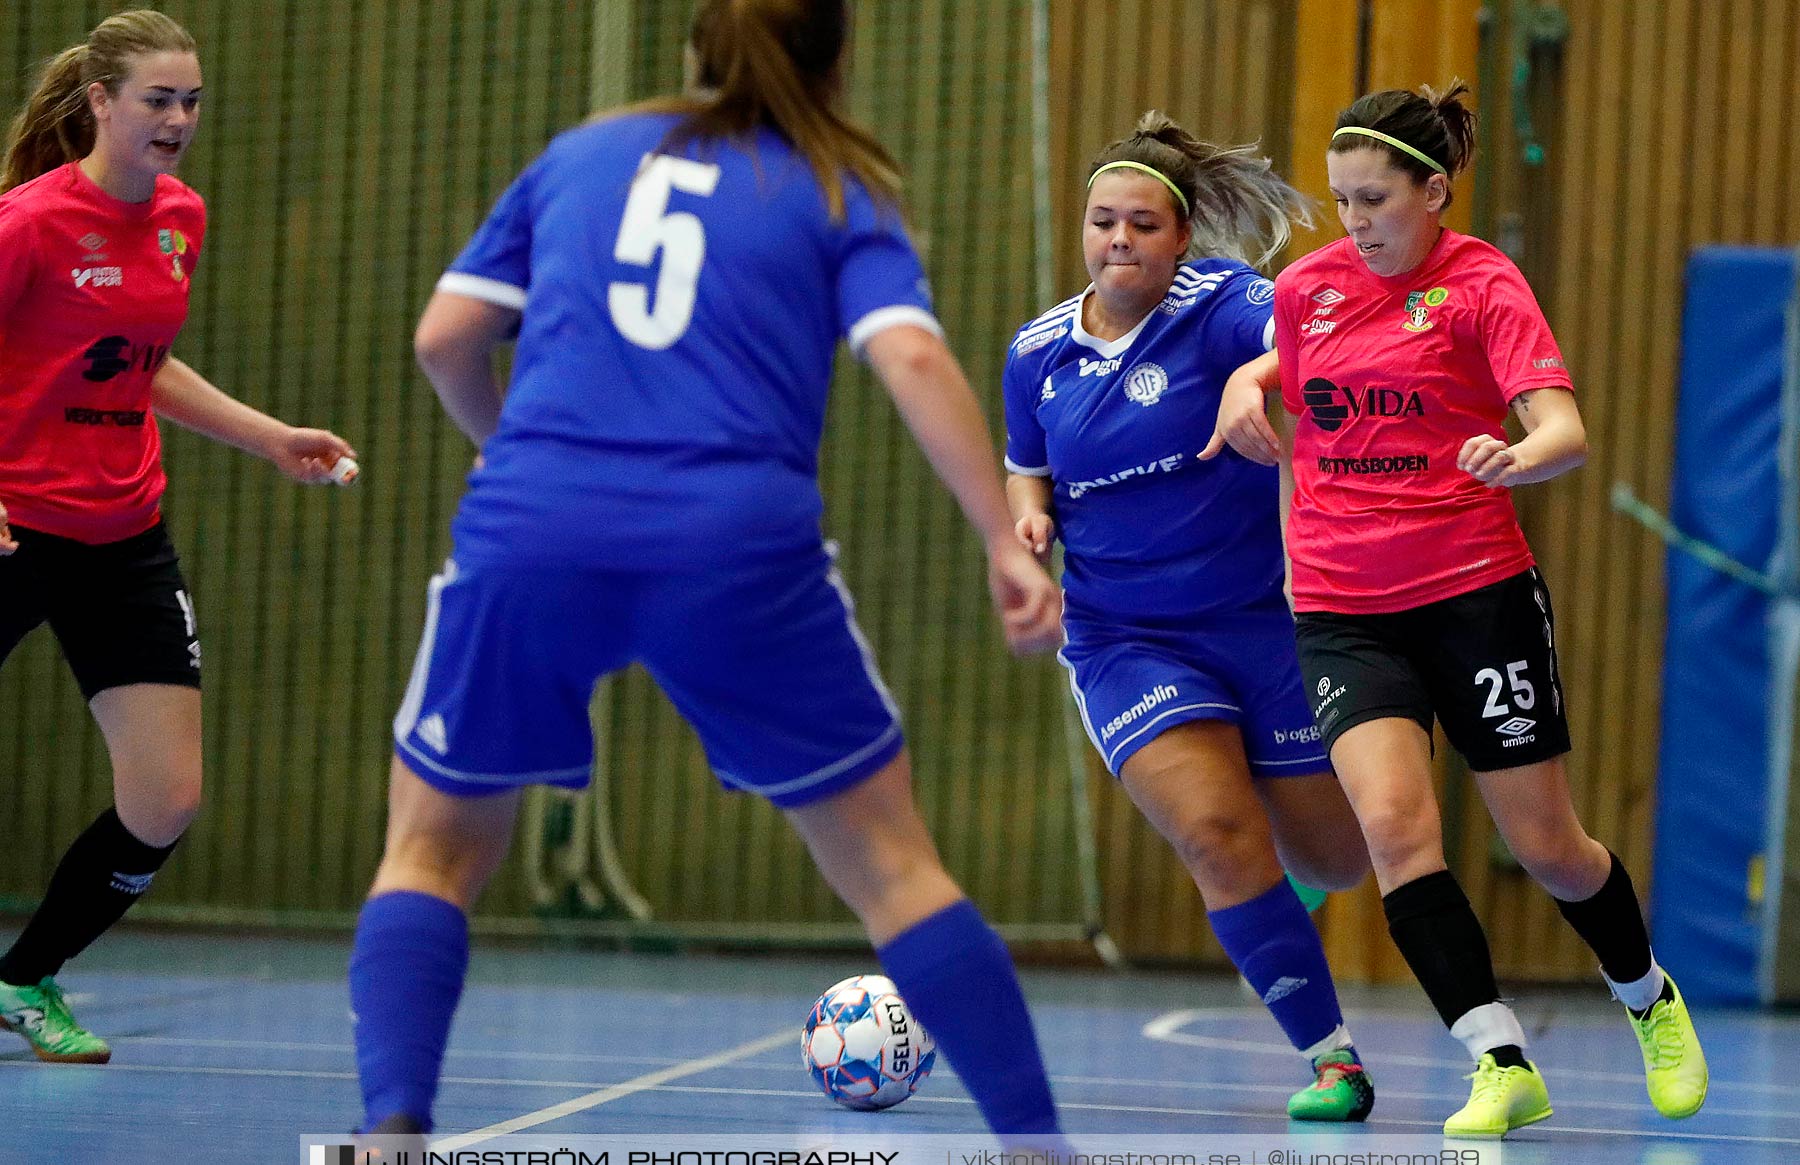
column 680, row 313
column 1149, row 530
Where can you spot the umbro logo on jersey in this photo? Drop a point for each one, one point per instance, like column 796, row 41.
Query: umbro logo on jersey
column 98, row 276
column 92, row 241
column 1327, row 302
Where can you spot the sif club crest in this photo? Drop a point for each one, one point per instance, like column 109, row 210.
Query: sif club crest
column 1146, row 383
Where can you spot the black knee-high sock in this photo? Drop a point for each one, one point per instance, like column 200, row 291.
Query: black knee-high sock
column 1612, row 924
column 105, row 870
column 1437, row 931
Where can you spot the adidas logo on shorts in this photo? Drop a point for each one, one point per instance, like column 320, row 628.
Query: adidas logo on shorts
column 431, row 730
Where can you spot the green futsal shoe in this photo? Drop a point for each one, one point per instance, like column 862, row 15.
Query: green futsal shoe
column 1502, row 1099
column 41, row 1015
column 1343, row 1091
column 1674, row 1066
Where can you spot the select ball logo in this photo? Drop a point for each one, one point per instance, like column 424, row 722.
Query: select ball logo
column 862, row 1046
column 902, row 1052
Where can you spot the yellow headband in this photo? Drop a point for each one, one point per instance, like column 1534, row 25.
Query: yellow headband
column 1180, row 198
column 1392, row 141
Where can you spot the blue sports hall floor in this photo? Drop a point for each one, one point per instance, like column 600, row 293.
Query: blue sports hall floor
column 230, row 1049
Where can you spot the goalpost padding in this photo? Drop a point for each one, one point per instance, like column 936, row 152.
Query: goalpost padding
column 1727, row 698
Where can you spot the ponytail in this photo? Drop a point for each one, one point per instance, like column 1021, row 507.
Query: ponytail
column 778, row 63
column 1435, row 123
column 1237, row 205
column 55, row 126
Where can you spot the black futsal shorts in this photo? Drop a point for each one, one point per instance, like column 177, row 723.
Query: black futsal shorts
column 120, row 610
column 1483, row 664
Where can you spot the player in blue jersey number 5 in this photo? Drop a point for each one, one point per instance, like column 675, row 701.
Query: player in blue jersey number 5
column 677, row 276
column 1180, row 645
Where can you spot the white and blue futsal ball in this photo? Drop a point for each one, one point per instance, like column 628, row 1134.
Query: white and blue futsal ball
column 863, row 1047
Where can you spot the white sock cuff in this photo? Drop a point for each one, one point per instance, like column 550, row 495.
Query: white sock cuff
column 1487, row 1027
column 1339, row 1038
column 1639, row 993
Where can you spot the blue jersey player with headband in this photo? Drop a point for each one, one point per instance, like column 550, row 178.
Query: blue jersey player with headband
column 677, row 276
column 1179, row 641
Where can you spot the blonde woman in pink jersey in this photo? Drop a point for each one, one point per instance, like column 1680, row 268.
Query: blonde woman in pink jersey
column 1399, row 352
column 98, row 247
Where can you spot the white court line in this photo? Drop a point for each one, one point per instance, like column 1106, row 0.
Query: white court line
column 1384, row 1094
column 1713, row 1108
column 642, row 1084
column 1165, row 1029
column 1273, row 1118
column 615, row 1091
column 449, row 1053
column 323, row 1074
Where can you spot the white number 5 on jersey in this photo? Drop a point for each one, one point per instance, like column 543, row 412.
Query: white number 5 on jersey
column 648, row 226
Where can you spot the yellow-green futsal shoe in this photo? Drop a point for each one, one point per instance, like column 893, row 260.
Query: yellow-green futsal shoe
column 38, row 1012
column 1674, row 1066
column 1502, row 1099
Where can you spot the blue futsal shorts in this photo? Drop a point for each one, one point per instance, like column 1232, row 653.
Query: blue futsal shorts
column 1133, row 683
column 764, row 660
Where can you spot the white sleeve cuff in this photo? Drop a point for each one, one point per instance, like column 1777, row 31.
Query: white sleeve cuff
column 883, row 318
column 1027, row 470
column 1269, row 335
column 480, row 287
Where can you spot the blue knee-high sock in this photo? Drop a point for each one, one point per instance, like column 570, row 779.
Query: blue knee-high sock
column 406, row 975
column 958, row 980
column 1272, row 941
